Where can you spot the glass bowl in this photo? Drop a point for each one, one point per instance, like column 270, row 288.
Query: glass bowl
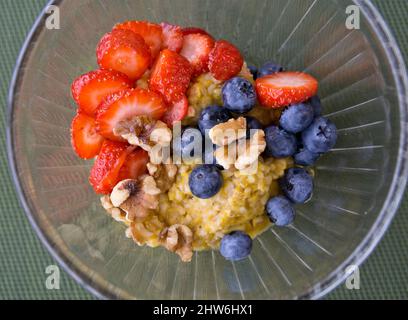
column 359, row 184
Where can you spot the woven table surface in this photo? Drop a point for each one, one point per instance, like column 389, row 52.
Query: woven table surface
column 23, row 259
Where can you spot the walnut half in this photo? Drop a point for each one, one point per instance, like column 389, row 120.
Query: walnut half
column 225, row 133
column 178, row 238
column 136, row 197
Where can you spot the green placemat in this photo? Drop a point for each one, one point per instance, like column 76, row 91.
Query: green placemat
column 23, row 260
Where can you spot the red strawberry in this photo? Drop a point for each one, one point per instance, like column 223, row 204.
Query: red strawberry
column 284, row 88
column 134, row 102
column 151, row 33
column 124, row 51
column 196, row 49
column 171, row 75
column 134, row 166
column 176, row 112
column 84, row 138
column 172, row 37
column 90, row 89
column 225, row 61
column 193, row 30
column 105, row 171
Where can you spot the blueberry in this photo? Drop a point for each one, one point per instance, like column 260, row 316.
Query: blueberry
column 321, row 136
column 190, row 145
column 238, row 95
column 317, row 105
column 269, row 68
column 211, row 116
column 297, row 117
column 305, row 158
column 280, row 211
column 205, row 181
column 254, row 71
column 236, row 246
column 297, row 185
column 279, row 143
column 252, row 124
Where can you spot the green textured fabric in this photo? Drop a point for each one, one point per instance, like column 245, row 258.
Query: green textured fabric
column 23, row 260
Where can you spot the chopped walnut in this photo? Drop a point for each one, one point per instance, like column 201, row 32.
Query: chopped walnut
column 139, row 233
column 251, row 150
column 136, row 197
column 145, row 132
column 225, row 133
column 116, row 213
column 178, row 238
column 243, row 154
column 163, row 174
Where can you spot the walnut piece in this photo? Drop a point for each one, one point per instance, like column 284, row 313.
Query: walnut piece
column 145, row 132
column 225, row 133
column 116, row 213
column 178, row 238
column 136, row 197
column 243, row 154
column 163, row 174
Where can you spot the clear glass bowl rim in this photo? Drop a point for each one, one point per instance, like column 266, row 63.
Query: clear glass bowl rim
column 338, row 275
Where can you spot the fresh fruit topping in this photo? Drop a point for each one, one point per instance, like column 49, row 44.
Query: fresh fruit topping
column 317, row 105
column 211, row 116
column 236, row 246
column 134, row 166
column 252, row 124
column 254, row 71
column 321, row 136
column 269, row 68
column 279, row 143
column 189, row 145
column 305, row 158
column 134, row 102
column 297, row 117
column 225, row 61
column 280, row 211
column 194, row 30
column 196, row 49
column 124, row 51
column 105, row 171
column 285, row 88
column 205, row 181
column 84, row 138
column 172, row 37
column 238, row 95
column 297, row 185
column 171, row 76
column 150, row 32
column 176, row 112
column 91, row 88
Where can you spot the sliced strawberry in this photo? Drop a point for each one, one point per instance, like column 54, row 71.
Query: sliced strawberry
column 225, row 61
column 124, row 51
column 84, row 138
column 105, row 171
column 176, row 112
column 284, row 88
column 134, row 102
column 90, row 89
column 172, row 37
column 196, row 49
column 151, row 33
column 171, row 76
column 134, row 166
column 194, row 30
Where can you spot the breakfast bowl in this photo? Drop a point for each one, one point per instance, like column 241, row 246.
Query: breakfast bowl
column 358, row 185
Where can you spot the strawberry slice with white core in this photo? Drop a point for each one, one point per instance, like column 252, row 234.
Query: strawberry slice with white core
column 196, row 49
column 91, row 88
column 172, row 37
column 176, row 112
column 285, row 88
column 84, row 138
column 135, row 102
column 134, row 166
